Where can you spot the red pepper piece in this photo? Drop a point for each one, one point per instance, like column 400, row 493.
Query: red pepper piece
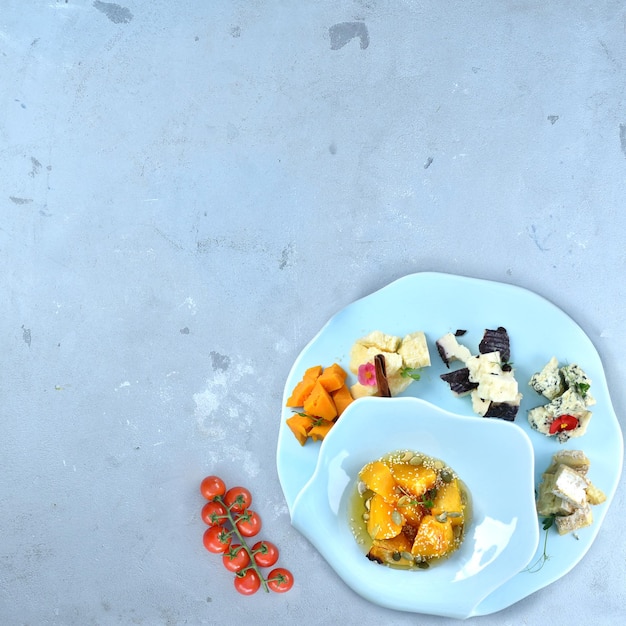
column 563, row 422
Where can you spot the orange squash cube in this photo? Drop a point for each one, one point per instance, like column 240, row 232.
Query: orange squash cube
column 300, row 425
column 319, row 403
column 381, row 523
column 449, row 500
column 433, row 539
column 414, row 479
column 342, row 398
column 377, row 477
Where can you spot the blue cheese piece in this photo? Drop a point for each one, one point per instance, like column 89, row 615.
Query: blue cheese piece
column 549, row 381
column 576, row 379
column 568, row 403
column 540, row 420
column 567, row 388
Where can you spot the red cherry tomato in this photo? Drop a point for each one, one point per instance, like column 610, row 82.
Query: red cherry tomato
column 213, row 514
column 216, row 539
column 212, row 486
column 280, row 580
column 236, row 558
column 248, row 523
column 264, row 553
column 248, row 582
column 237, row 499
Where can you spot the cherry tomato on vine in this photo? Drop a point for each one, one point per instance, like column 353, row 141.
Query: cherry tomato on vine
column 264, row 553
column 248, row 523
column 235, row 558
column 213, row 514
column 216, row 539
column 280, row 580
column 248, row 582
column 212, row 486
column 237, row 499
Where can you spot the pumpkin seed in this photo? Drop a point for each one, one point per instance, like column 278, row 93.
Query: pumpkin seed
column 417, row 460
column 396, row 518
column 438, row 465
column 396, row 556
column 404, row 501
column 446, row 476
column 407, row 555
column 442, row 517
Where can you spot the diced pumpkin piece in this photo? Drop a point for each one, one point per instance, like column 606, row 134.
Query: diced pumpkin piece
column 414, row 479
column 300, row 393
column 342, row 398
column 384, row 550
column 433, row 539
column 300, row 425
column 412, row 512
column 313, row 372
column 382, row 522
column 320, row 429
column 304, row 387
column 333, row 377
column 449, row 500
column 320, row 403
column 378, row 477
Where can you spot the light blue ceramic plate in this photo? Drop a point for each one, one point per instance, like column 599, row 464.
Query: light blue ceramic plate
column 439, row 303
column 493, row 458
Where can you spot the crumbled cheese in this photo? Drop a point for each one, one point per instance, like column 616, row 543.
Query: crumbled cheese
column 549, row 381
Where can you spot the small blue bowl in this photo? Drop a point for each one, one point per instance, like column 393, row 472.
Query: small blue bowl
column 494, row 459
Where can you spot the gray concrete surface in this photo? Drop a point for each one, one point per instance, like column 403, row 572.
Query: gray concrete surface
column 189, row 190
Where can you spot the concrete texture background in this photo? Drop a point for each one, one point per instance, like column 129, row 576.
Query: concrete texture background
column 189, row 190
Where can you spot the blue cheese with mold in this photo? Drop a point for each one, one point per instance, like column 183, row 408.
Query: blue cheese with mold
column 567, row 388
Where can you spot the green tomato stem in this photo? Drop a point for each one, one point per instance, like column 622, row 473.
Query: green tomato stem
column 244, row 544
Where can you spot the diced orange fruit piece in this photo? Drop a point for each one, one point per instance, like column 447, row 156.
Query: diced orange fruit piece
column 342, row 398
column 380, row 523
column 378, row 477
column 384, row 550
column 414, row 479
column 320, row 429
column 300, row 425
column 433, row 539
column 333, row 377
column 320, row 403
column 303, row 388
column 448, row 499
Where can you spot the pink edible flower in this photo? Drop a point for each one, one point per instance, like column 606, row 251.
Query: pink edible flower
column 367, row 374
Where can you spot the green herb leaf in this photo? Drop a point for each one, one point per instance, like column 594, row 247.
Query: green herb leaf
column 408, row 372
column 582, row 388
column 548, row 522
